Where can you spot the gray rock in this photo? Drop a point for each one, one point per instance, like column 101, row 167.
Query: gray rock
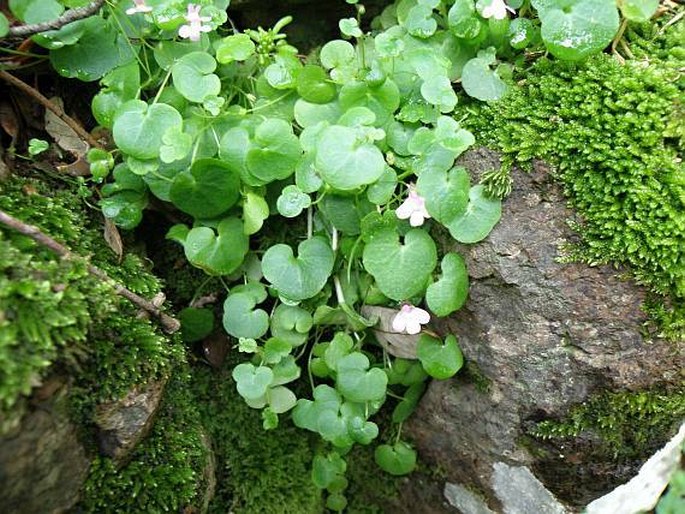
column 520, row 492
column 42, row 464
column 465, row 500
column 642, row 492
column 122, row 424
column 547, row 336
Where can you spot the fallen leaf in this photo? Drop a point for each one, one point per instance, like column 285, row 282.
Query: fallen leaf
column 62, row 133
column 397, row 344
column 78, row 168
column 113, row 238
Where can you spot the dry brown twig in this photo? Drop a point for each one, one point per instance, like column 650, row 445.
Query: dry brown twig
column 56, row 109
column 68, row 17
column 169, row 324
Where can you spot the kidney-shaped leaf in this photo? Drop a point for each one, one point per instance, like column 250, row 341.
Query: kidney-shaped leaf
column 138, row 128
column 398, row 459
column 357, row 382
column 252, row 382
column 208, row 189
column 193, row 76
column 440, row 360
column 345, row 161
column 301, row 277
column 401, row 269
column 217, row 254
column 275, row 151
column 574, row 29
column 241, row 319
column 446, row 193
column 482, row 214
column 449, row 293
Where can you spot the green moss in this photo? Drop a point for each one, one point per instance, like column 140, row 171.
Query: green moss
column 166, row 471
column 257, row 471
column 628, row 425
column 473, row 374
column 610, row 131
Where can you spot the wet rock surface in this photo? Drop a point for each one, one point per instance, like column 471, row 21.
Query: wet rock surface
column 547, row 336
column 42, row 463
column 123, row 423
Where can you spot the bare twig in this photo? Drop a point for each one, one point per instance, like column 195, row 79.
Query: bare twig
column 59, row 112
column 67, row 17
column 169, row 324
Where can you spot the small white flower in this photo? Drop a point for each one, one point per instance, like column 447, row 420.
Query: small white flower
column 139, row 6
column 497, row 9
column 413, row 208
column 195, row 26
column 410, row 319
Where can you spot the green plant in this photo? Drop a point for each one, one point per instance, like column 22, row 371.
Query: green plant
column 354, row 148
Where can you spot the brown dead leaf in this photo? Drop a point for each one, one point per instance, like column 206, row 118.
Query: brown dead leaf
column 62, row 133
column 396, row 344
column 78, row 168
column 113, row 238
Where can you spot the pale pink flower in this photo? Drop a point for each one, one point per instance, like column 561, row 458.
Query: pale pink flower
column 139, row 6
column 410, row 319
column 413, row 208
column 195, row 26
column 497, row 9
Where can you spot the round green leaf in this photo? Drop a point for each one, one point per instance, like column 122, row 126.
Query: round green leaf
column 252, row 382
column 437, row 90
column 241, row 319
column 381, row 191
column 100, row 49
column 340, row 346
column 291, row 324
column 292, row 201
column 445, row 193
column 481, row 82
column 275, row 151
column 196, row 324
column 638, row 10
column 440, row 360
column 357, row 382
column 462, row 19
column 193, row 76
column 313, row 85
column 345, row 161
column 281, row 399
column 208, row 189
column 574, row 29
column 255, row 211
column 398, row 459
column 362, row 431
column 275, row 350
column 217, row 253
column 449, row 293
column 326, row 469
column 301, row 277
column 237, row 47
column 4, row 25
column 350, row 27
column 336, row 53
column 383, row 100
column 308, row 114
column 36, row 11
column 401, row 269
column 481, row 215
column 138, row 129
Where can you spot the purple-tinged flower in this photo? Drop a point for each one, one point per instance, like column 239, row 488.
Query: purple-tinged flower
column 497, row 9
column 413, row 208
column 410, row 319
column 194, row 29
column 139, row 6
